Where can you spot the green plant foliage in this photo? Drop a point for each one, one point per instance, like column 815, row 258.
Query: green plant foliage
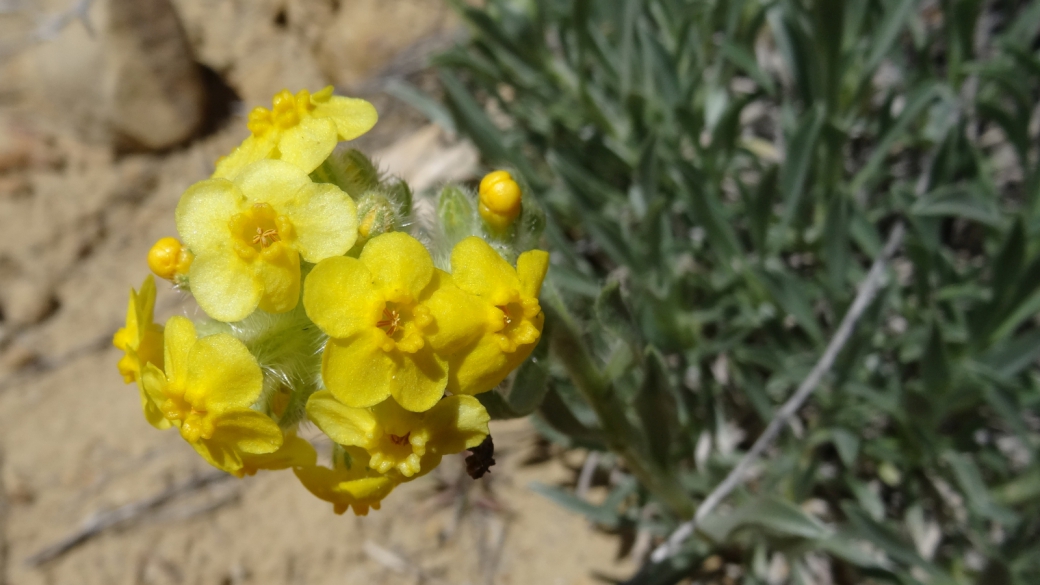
column 716, row 178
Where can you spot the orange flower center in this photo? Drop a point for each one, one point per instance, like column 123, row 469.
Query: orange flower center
column 517, row 327
column 265, row 237
column 403, row 324
column 391, row 320
column 513, row 314
column 257, row 229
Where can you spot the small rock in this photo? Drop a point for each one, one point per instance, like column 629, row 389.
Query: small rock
column 158, row 98
column 26, row 302
column 16, row 358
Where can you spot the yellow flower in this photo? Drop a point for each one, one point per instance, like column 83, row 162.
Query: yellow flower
column 389, row 315
column 294, row 452
column 302, row 130
column 396, row 439
column 248, row 236
column 351, row 484
column 514, row 317
column 209, row 385
column 499, row 200
column 169, row 259
column 142, row 340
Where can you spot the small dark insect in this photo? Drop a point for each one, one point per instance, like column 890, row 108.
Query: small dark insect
column 482, row 458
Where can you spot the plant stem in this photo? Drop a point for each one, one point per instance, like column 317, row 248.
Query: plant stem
column 568, row 348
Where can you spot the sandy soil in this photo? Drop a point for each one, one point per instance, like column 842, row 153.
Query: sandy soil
column 76, row 220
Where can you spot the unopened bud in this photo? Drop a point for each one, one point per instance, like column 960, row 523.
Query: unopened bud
column 359, row 174
column 350, row 170
column 529, row 227
column 169, row 259
column 399, row 194
column 499, row 200
column 455, row 210
column 375, row 216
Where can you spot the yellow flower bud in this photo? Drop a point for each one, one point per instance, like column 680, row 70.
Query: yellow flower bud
column 499, row 200
column 375, row 216
column 169, row 259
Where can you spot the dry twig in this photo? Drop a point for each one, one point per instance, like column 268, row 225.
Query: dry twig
column 588, row 470
column 99, row 522
column 867, row 291
column 52, row 26
column 396, row 563
column 3, row 522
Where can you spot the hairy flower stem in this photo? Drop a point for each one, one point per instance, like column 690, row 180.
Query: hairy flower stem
column 288, row 348
column 570, row 350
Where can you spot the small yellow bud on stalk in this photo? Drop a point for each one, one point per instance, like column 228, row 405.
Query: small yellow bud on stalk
column 169, row 259
column 499, row 200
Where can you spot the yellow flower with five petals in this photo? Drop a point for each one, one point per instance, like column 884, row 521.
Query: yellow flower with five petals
column 396, row 439
column 351, row 483
column 209, row 385
column 248, row 236
column 513, row 316
column 301, row 129
column 142, row 340
column 389, row 315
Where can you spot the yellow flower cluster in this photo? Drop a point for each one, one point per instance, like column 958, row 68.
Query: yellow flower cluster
column 272, row 256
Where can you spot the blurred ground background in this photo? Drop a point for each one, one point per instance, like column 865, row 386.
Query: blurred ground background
column 103, row 124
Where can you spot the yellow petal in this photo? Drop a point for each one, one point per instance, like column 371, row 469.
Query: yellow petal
column 485, row 365
column 150, row 386
column 400, row 265
column 514, row 359
column 357, row 370
column 153, row 380
column 203, row 212
column 144, row 301
column 221, row 455
column 343, row 424
column 457, row 316
column 225, row 286
column 478, row 269
column 325, row 221
column 127, row 336
column 419, row 379
column 178, row 339
column 345, row 492
column 274, row 182
column 152, row 414
column 150, row 348
column 396, row 420
column 279, row 271
column 222, row 375
column 340, row 298
column 353, row 117
column 129, row 366
column 294, row 452
column 456, row 423
column 531, row 267
column 247, row 431
column 477, row 370
column 251, row 150
column 307, row 144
